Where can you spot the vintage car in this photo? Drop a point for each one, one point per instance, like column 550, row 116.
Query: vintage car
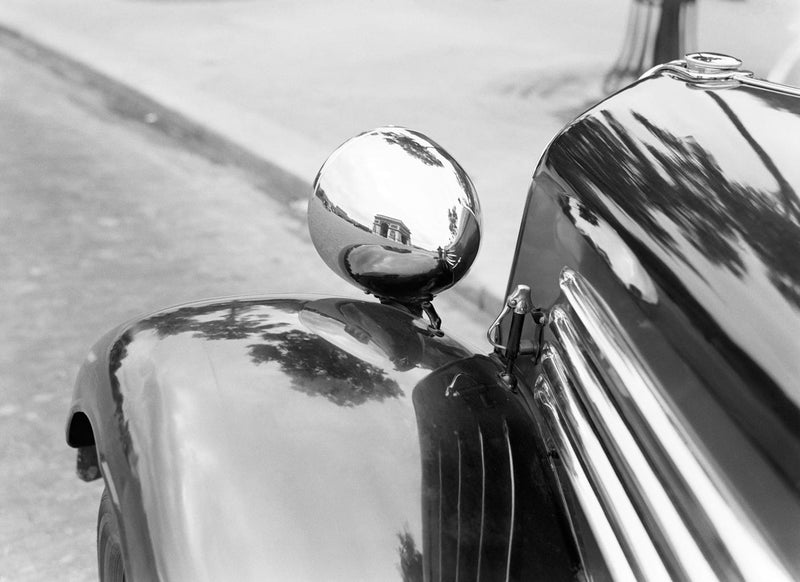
column 637, row 420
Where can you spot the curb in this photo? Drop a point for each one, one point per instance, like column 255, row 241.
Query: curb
column 131, row 104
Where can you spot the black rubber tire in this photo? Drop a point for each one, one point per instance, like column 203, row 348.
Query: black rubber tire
column 109, row 545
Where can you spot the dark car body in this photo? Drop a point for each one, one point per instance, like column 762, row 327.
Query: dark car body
column 649, row 430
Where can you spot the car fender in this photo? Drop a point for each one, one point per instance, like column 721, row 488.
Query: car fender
column 280, row 438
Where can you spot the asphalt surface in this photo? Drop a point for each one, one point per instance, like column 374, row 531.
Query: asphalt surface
column 102, row 219
column 289, row 81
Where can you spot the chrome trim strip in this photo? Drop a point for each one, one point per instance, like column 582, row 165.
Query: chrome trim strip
column 769, row 85
column 458, row 506
column 620, row 535
column 732, row 531
column 112, row 488
column 483, row 506
column 513, row 500
column 676, row 540
column 678, row 69
column 441, row 519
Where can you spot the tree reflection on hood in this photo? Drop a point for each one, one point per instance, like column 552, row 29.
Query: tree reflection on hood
column 314, row 366
column 318, row 368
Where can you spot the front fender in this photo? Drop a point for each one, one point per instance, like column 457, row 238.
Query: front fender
column 272, row 438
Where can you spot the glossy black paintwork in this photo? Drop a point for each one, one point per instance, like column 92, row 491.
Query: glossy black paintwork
column 487, row 508
column 293, row 439
column 679, row 205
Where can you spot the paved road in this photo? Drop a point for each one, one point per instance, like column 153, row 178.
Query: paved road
column 492, row 81
column 102, row 219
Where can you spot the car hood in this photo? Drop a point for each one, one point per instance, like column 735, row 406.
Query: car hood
column 678, row 204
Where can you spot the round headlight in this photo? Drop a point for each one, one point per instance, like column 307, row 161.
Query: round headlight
column 394, row 214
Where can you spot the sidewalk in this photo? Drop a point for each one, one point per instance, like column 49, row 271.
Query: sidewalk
column 490, row 80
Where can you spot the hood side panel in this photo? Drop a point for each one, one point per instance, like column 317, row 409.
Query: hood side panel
column 678, row 205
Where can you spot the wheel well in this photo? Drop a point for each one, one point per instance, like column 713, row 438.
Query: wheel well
column 81, row 436
column 79, row 433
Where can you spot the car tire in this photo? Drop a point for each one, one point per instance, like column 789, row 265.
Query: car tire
column 109, row 546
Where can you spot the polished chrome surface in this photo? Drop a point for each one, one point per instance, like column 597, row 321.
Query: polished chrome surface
column 512, row 525
column 493, row 333
column 711, row 62
column 519, row 302
column 649, row 497
column 716, row 71
column 741, row 550
column 395, row 215
column 702, row 68
column 769, row 85
column 622, row 537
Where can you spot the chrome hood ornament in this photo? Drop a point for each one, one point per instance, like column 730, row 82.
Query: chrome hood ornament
column 394, row 214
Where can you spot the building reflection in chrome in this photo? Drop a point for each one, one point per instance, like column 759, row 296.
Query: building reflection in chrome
column 391, row 228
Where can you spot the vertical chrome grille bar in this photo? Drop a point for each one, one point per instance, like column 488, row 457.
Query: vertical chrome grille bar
column 620, row 534
column 747, row 554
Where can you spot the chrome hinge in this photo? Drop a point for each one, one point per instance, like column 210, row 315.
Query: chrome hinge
column 518, row 304
column 716, row 71
column 704, row 69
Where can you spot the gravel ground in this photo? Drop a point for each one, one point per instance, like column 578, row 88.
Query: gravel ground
column 102, row 220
